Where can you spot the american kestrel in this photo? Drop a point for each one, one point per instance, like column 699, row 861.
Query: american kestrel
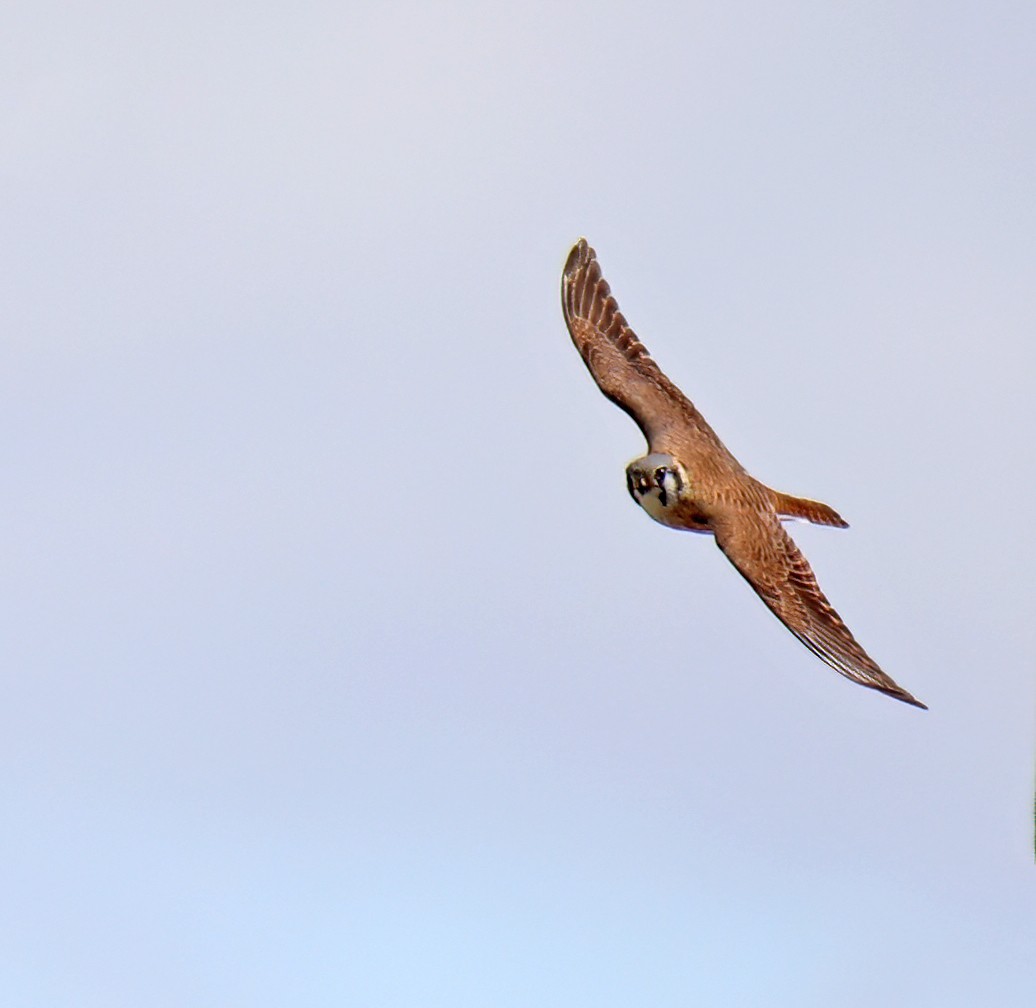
column 688, row 480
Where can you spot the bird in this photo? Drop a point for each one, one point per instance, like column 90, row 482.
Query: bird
column 688, row 479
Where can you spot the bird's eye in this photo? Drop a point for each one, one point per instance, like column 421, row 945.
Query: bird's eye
column 659, row 475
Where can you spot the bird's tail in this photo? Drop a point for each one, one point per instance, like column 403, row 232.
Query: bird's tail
column 812, row 511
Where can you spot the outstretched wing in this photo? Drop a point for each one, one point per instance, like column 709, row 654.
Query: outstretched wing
column 618, row 361
column 756, row 544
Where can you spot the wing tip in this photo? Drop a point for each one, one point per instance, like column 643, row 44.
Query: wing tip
column 913, row 701
column 901, row 694
column 579, row 258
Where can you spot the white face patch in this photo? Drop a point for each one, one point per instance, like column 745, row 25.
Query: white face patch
column 651, row 502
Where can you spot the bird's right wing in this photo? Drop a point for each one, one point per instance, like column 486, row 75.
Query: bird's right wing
column 617, row 360
column 757, row 545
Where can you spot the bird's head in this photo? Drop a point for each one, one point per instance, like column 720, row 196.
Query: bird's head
column 657, row 482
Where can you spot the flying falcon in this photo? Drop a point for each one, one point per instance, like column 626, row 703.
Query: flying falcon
column 688, row 480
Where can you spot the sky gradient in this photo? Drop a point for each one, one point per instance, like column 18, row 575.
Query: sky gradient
column 340, row 667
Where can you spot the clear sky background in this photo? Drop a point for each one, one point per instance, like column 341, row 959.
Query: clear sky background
column 338, row 666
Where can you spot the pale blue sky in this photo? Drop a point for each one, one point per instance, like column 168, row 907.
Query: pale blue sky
column 340, row 668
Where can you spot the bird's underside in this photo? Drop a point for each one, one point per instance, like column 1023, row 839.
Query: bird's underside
column 690, row 481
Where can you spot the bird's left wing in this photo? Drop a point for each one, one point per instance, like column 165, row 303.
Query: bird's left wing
column 757, row 545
